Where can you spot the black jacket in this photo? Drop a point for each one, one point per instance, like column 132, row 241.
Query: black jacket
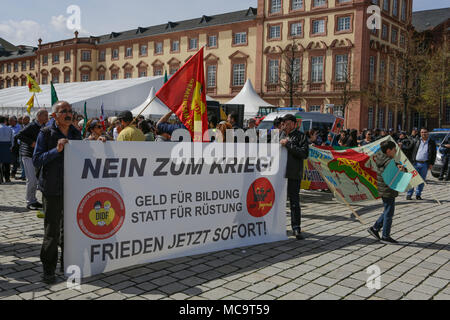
column 27, row 136
column 431, row 151
column 298, row 151
column 407, row 147
column 51, row 162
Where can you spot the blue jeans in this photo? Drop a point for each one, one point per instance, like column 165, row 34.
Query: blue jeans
column 385, row 220
column 422, row 168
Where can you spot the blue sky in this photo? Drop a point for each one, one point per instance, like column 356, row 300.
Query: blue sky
column 25, row 21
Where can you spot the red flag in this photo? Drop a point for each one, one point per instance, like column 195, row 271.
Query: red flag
column 185, row 95
column 338, row 125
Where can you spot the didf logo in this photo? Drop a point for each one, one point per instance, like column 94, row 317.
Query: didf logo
column 101, row 213
column 260, row 198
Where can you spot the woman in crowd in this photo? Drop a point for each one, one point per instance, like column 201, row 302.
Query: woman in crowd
column 367, row 139
column 352, row 141
column 95, row 131
column 147, row 130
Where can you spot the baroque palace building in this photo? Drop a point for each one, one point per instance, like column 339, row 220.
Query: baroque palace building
column 330, row 37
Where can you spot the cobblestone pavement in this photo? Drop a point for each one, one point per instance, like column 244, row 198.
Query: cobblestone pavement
column 330, row 264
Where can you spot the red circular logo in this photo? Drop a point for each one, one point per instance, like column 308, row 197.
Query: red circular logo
column 260, row 198
column 101, row 213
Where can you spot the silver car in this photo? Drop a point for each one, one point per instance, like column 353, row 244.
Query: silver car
column 438, row 137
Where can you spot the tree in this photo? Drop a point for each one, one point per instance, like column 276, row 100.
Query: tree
column 435, row 84
column 376, row 94
column 344, row 85
column 290, row 77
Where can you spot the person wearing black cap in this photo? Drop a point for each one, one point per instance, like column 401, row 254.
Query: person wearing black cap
column 296, row 144
column 129, row 132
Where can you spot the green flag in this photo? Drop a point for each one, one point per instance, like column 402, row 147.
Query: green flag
column 85, row 120
column 54, row 95
column 165, row 76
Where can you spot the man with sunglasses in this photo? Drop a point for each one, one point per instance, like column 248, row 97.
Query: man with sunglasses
column 48, row 157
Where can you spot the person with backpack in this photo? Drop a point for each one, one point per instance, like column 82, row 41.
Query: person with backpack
column 388, row 195
column 49, row 157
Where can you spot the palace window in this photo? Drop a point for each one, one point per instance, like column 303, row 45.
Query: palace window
column 318, row 26
column 341, row 67
column 240, row 38
column 159, row 48
column 275, row 32
column 317, row 69
column 297, row 4
column 211, row 76
column 193, row 44
column 296, row 29
column 343, row 24
column 212, row 41
column 275, row 6
column 274, row 68
column 238, row 74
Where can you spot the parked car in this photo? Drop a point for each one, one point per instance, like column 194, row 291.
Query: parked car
column 438, row 135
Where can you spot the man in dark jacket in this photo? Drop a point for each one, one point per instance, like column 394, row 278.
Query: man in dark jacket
column 423, row 157
column 387, row 194
column 296, row 144
column 406, row 144
column 28, row 137
column 49, row 156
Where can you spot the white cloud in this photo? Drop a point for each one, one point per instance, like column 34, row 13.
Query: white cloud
column 59, row 24
column 28, row 32
column 25, row 32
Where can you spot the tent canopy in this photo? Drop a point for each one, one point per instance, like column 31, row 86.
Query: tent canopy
column 250, row 99
column 156, row 108
column 116, row 96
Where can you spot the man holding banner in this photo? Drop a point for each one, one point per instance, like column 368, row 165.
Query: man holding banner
column 296, row 144
column 49, row 156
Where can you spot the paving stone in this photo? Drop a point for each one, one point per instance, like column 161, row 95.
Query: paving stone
column 295, row 296
column 217, row 293
column 339, row 290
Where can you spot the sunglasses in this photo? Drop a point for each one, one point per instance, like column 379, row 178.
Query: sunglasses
column 65, row 111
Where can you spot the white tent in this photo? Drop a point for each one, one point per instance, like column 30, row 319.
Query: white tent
column 250, row 99
column 116, row 96
column 156, row 108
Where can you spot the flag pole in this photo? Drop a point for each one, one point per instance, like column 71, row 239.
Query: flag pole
column 36, row 100
column 134, row 120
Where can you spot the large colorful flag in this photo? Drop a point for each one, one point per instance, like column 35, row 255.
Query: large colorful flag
column 353, row 172
column 32, row 84
column 185, row 95
column 30, row 103
column 102, row 117
column 53, row 94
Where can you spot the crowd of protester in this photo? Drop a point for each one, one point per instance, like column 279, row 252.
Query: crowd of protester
column 37, row 147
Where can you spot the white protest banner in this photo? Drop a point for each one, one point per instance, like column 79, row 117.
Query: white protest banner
column 130, row 203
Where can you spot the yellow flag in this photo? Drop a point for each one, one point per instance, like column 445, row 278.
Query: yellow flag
column 32, row 85
column 30, row 104
column 223, row 115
